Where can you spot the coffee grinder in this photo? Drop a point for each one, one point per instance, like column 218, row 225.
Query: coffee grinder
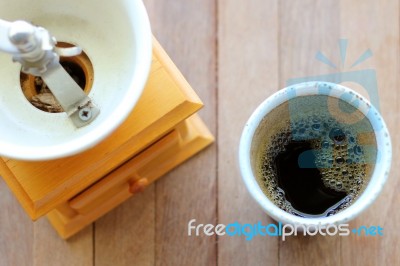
column 91, row 111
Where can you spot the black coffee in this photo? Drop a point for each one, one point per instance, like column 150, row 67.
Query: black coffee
column 304, row 187
column 311, row 164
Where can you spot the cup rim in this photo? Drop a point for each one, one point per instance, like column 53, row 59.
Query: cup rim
column 377, row 180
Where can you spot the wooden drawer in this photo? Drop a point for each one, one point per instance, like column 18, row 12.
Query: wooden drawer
column 185, row 140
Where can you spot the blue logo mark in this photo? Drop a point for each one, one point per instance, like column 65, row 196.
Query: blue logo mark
column 365, row 78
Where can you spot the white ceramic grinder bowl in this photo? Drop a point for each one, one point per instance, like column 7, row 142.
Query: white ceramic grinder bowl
column 116, row 37
column 250, row 139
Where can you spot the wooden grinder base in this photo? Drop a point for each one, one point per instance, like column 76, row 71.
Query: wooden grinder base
column 162, row 132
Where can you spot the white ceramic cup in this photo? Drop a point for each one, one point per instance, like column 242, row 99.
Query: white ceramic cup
column 116, row 37
column 379, row 174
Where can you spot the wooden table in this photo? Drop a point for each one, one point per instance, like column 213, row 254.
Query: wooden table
column 234, row 53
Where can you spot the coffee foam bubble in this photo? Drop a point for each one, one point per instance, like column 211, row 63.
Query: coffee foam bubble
column 338, row 154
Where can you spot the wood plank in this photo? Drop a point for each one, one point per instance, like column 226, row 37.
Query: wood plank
column 187, row 31
column 50, row 249
column 125, row 236
column 307, row 27
column 375, row 26
column 16, row 230
column 248, row 74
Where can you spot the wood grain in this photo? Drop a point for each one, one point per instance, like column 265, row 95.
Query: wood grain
column 375, row 26
column 125, row 236
column 247, row 74
column 190, row 191
column 16, row 231
column 252, row 48
column 49, row 249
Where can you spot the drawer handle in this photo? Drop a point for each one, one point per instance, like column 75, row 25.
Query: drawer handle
column 124, row 176
column 138, row 185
